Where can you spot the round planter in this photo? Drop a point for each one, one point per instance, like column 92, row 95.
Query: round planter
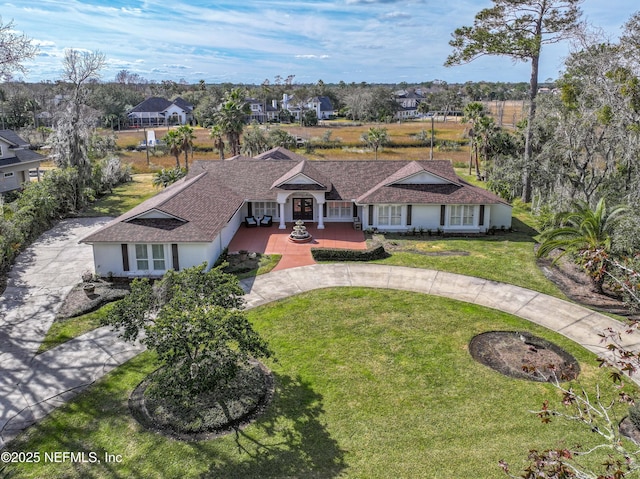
column 89, row 288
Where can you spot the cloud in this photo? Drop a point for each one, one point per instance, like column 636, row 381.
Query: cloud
column 311, row 57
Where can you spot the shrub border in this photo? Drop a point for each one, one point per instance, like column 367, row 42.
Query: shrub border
column 336, row 254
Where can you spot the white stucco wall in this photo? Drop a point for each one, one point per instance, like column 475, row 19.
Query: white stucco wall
column 500, row 216
column 425, row 216
column 107, row 258
column 194, row 254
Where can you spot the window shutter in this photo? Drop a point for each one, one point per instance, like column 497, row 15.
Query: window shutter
column 125, row 257
column 174, row 257
column 370, row 214
column 249, row 209
column 324, row 210
column 355, row 210
column 481, row 219
column 409, row 208
column 443, row 209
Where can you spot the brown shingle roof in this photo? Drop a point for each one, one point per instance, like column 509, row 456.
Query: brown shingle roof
column 199, row 207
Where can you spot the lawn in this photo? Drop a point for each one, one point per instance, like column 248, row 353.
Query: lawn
column 123, row 198
column 369, row 383
column 507, row 257
column 63, row 330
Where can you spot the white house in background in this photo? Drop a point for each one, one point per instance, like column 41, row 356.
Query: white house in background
column 320, row 104
column 194, row 220
column 16, row 160
column 157, row 111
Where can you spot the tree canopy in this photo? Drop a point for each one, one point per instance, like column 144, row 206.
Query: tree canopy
column 194, row 321
column 15, row 48
column 517, row 29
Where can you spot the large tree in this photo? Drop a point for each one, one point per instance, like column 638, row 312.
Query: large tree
column 193, row 320
column 517, row 29
column 73, row 127
column 15, row 48
column 231, row 117
column 186, row 136
column 472, row 113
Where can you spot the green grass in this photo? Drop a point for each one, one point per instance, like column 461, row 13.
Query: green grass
column 505, row 257
column 369, row 383
column 64, row 330
column 123, row 197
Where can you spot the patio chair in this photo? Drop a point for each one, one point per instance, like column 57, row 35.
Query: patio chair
column 266, row 221
column 250, row 222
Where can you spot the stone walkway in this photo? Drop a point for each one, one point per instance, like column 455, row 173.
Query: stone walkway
column 31, row 386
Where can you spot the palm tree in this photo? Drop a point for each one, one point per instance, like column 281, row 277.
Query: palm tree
column 174, row 143
column 375, row 138
column 231, row 116
column 485, row 132
column 584, row 232
column 217, row 135
column 185, row 137
column 472, row 113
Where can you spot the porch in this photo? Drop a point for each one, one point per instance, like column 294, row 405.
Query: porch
column 271, row 240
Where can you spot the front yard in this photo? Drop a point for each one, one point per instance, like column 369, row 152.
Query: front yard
column 369, row 383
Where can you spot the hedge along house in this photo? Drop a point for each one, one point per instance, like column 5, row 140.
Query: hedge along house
column 193, row 220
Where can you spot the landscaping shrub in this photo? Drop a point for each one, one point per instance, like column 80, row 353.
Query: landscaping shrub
column 634, row 414
column 333, row 254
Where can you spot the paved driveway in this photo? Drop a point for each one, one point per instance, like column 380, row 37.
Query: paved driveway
column 40, row 279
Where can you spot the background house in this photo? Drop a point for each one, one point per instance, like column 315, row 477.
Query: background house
column 320, row 104
column 261, row 111
column 157, row 111
column 16, row 160
column 409, row 101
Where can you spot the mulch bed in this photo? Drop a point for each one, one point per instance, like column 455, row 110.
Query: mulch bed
column 577, row 286
column 79, row 302
column 522, row 355
column 137, row 406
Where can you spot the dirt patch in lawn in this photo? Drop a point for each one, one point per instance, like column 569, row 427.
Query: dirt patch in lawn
column 522, row 355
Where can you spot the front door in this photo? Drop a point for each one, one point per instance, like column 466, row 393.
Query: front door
column 303, row 209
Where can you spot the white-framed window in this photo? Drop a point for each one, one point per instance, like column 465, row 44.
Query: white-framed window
column 339, row 209
column 142, row 257
column 265, row 208
column 389, row 215
column 150, row 257
column 157, row 251
column 462, row 215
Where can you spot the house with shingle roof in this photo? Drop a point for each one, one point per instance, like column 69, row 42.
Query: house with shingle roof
column 156, row 111
column 194, row 220
column 16, row 160
column 320, row 104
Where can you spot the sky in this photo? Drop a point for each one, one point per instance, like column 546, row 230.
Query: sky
column 250, row 41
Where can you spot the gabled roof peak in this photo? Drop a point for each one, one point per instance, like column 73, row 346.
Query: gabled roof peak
column 305, row 169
